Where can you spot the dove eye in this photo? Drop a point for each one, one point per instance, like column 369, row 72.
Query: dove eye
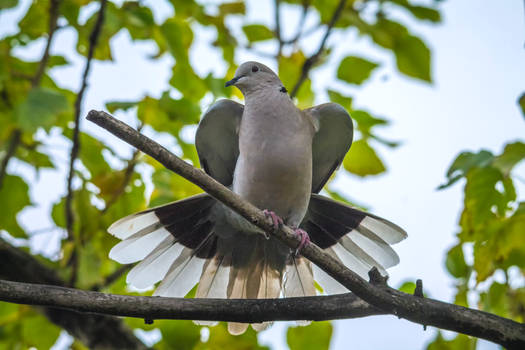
column 255, row 69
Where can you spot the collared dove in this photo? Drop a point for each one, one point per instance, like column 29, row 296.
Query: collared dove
column 278, row 158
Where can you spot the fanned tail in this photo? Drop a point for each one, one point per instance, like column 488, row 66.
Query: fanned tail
column 256, row 272
column 357, row 239
column 173, row 241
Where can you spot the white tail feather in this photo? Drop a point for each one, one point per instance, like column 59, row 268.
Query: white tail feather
column 299, row 279
column 329, row 285
column 389, row 232
column 354, row 249
column 182, row 275
column 214, row 279
column 131, row 224
column 137, row 248
column 155, row 266
column 377, row 249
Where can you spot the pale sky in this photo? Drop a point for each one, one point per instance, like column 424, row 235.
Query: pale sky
column 478, row 71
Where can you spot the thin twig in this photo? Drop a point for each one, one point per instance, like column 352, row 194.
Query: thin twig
column 93, row 39
column 53, row 18
column 424, row 311
column 11, row 150
column 277, row 31
column 297, row 36
column 309, row 62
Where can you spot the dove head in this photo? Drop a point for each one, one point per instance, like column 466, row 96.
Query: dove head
column 253, row 76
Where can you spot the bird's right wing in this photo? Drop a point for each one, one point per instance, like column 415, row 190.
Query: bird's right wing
column 217, row 140
column 333, row 137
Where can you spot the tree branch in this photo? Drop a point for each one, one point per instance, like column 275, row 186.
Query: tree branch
column 309, row 63
column 424, row 311
column 95, row 331
column 93, row 39
column 156, row 308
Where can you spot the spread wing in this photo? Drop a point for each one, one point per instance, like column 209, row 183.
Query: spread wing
column 217, row 140
column 333, row 138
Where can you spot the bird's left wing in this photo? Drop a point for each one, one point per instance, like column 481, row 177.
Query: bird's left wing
column 217, row 140
column 333, row 138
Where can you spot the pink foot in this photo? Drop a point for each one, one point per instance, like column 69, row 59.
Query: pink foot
column 276, row 220
column 305, row 239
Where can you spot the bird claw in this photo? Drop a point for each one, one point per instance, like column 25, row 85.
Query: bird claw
column 305, row 239
column 277, row 222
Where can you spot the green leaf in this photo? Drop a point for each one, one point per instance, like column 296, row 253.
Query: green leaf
column 355, row 70
column 112, row 25
column 179, row 37
column 495, row 300
column 15, row 197
column 190, row 85
column 137, row 19
column 38, row 331
column 178, row 334
column 257, row 32
column 511, row 156
column 337, row 97
column 455, row 263
column 290, row 71
column 420, row 12
column 6, row 4
column 220, row 339
column 413, row 57
column 91, row 150
column 41, row 109
column 463, row 163
column 34, row 158
column 113, row 106
column 316, row 336
column 521, row 102
column 362, row 160
column 36, row 20
column 89, row 264
column 57, row 61
column 407, row 287
column 365, row 121
column 169, row 187
column 232, row 8
column 386, row 33
column 425, row 13
column 460, row 342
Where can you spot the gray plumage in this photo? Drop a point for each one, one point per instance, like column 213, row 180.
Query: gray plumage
column 278, row 158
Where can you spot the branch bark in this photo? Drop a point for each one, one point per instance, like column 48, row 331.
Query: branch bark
column 424, row 311
column 156, row 308
column 94, row 331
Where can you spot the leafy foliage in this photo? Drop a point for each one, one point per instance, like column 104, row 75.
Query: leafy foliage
column 491, row 223
column 107, row 187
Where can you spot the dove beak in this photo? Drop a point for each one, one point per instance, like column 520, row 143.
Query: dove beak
column 232, row 82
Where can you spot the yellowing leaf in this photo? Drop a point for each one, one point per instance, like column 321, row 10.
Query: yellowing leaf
column 362, row 160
